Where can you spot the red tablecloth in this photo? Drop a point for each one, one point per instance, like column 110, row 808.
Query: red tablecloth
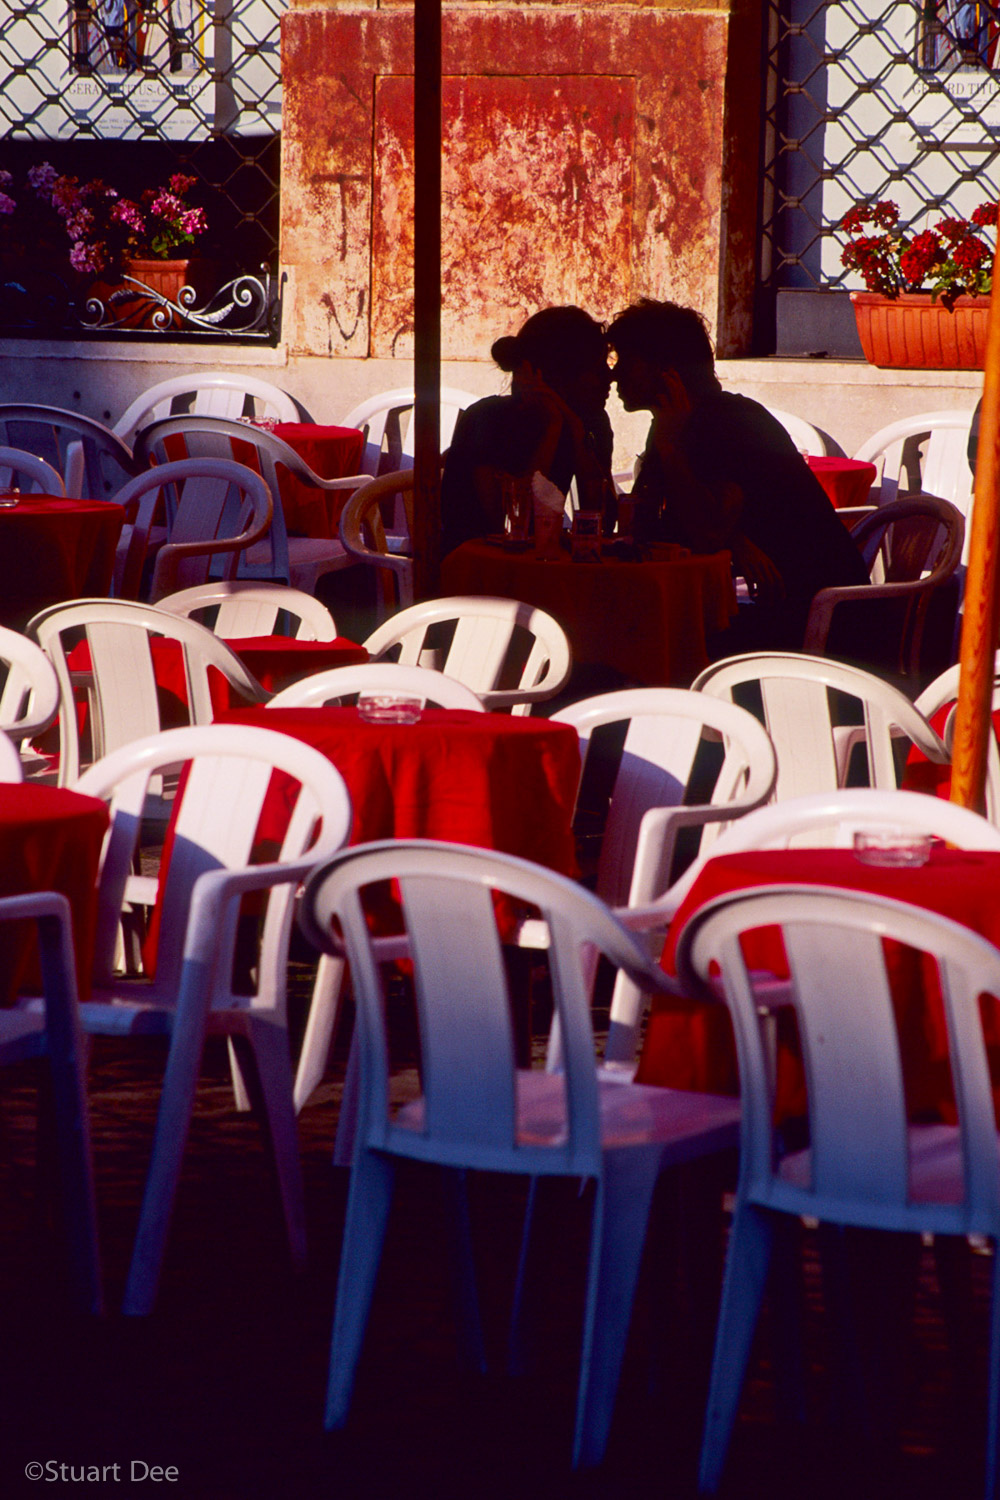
column 50, row 840
column 279, row 660
column 331, row 452
column 648, row 620
column 487, row 779
column 53, row 549
column 690, row 1045
column 847, row 481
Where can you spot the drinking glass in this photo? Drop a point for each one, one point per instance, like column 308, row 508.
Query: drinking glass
column 586, row 538
column 517, row 503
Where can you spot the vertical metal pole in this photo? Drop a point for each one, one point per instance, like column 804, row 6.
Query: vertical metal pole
column 973, row 717
column 427, row 294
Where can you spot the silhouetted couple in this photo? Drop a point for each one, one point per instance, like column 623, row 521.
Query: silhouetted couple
column 718, row 470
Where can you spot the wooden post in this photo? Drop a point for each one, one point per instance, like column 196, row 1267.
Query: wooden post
column 973, row 719
column 427, row 295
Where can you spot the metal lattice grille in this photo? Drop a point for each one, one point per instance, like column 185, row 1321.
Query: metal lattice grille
column 132, row 91
column 900, row 101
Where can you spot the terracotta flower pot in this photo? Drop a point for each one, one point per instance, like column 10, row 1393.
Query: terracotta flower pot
column 163, row 276
column 914, row 332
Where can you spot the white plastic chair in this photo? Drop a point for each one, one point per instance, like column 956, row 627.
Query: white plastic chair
column 866, row 1164
column 29, row 700
column 806, row 437
column 299, row 560
column 478, row 1110
column 215, row 511
column 241, row 608
column 388, row 550
column 831, row 819
column 912, row 547
column 229, row 769
column 944, row 691
column 28, row 473
column 207, row 395
column 51, row 1031
column 11, row 765
column 336, row 684
column 386, row 421
column 93, row 461
column 814, row 750
column 491, row 640
column 925, row 453
column 121, row 690
column 664, row 731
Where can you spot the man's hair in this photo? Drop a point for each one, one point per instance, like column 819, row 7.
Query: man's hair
column 669, row 337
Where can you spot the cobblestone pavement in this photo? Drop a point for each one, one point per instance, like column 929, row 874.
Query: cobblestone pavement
column 224, row 1383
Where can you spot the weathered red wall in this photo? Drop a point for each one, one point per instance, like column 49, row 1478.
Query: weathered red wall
column 584, row 161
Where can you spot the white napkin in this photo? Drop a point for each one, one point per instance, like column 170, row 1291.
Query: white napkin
column 545, row 493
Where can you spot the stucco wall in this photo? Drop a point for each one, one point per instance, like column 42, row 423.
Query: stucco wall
column 586, row 156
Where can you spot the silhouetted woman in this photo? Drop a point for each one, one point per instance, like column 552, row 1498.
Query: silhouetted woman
column 553, row 422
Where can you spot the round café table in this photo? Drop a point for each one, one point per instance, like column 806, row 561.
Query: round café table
column 689, row 1044
column 50, row 840
column 847, row 481
column 53, row 549
column 492, row 780
column 647, row 619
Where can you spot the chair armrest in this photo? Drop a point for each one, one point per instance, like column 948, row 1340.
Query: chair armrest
column 826, row 601
column 172, row 554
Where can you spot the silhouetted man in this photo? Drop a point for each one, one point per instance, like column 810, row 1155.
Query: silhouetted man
column 720, row 472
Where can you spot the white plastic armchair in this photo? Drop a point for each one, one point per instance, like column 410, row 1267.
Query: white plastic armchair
column 208, row 395
column 11, row 765
column 386, row 421
column 912, row 547
column 93, row 461
column 941, row 693
column 478, row 1110
column 51, row 1031
column 813, row 743
column 806, row 437
column 366, row 538
column 867, row 1164
column 513, row 655
column 120, row 681
column 336, row 684
column 192, row 994
column 926, row 453
column 237, row 608
column 299, row 560
column 29, row 473
column 831, row 819
column 29, row 699
column 667, row 733
column 215, row 511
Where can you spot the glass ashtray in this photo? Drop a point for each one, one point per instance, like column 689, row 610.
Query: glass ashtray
column 9, row 498
column 892, row 848
column 389, row 708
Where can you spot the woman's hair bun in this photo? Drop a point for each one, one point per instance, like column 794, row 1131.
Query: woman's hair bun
column 506, row 352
